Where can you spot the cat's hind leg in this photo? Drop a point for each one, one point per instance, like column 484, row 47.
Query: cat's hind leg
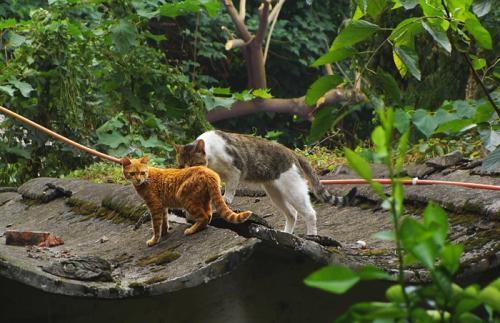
column 293, row 188
column 202, row 218
column 286, row 208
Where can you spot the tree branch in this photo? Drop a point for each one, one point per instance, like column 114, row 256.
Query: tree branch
column 295, row 106
column 238, row 22
column 236, row 43
column 243, row 5
column 263, row 14
column 275, row 12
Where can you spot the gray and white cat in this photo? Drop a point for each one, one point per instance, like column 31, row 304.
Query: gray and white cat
column 280, row 171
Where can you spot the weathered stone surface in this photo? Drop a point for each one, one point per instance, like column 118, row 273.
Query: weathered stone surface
column 89, row 268
column 177, row 262
column 447, row 160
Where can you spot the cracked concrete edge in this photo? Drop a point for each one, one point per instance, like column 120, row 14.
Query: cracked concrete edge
column 228, row 262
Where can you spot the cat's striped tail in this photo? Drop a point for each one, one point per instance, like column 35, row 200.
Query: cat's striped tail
column 221, row 206
column 319, row 190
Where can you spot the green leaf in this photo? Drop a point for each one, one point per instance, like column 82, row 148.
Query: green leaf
column 15, row 40
column 455, row 126
column 151, row 142
column 405, row 32
column 401, row 120
column 410, row 59
column 372, row 273
column 424, row 122
column 395, row 294
column 418, row 241
column 436, row 221
column 379, row 139
column 262, row 93
column 402, row 150
column 358, row 164
column 372, row 7
column 478, row 63
column 481, row 7
column 391, row 87
column 469, row 318
column 320, row 87
column 7, row 23
column 321, row 124
column 113, row 139
column 492, row 162
column 481, row 35
column 212, row 102
column 180, row 8
column 450, row 257
column 221, row 90
column 334, row 56
column 333, row 279
column 385, row 235
column 484, row 113
column 123, row 36
column 211, row 6
column 7, row 89
column 443, row 281
column 438, row 34
column 490, row 138
column 409, row 4
column 491, row 296
column 355, row 32
column 23, row 87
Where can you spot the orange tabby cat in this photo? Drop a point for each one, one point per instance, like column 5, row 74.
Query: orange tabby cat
column 192, row 188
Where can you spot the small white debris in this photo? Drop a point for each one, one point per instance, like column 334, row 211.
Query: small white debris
column 361, row 244
column 103, row 239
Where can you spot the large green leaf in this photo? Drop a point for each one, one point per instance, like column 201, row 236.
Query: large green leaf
column 450, row 257
column 492, row 162
column 405, row 32
column 15, row 40
column 23, row 87
column 491, row 296
column 333, row 279
column 481, row 7
column 7, row 23
column 410, row 58
column 322, row 122
column 179, row 8
column 212, row 102
column 112, row 139
column 438, row 34
column 484, row 112
column 490, row 138
column 391, row 87
column 481, row 35
column 425, row 122
column 409, row 4
column 358, row 164
column 372, row 7
column 436, row 221
column 334, row 56
column 211, row 6
column 7, row 89
column 353, row 33
column 401, row 120
column 123, row 36
column 320, row 87
column 455, row 126
column 372, row 273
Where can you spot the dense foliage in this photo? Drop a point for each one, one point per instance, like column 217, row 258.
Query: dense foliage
column 86, row 70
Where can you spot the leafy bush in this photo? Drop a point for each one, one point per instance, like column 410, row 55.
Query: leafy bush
column 77, row 68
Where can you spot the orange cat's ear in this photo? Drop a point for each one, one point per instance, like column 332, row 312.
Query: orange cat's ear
column 200, row 145
column 125, row 161
column 144, row 160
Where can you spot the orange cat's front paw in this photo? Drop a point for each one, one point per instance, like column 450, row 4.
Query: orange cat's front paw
column 151, row 242
column 189, row 231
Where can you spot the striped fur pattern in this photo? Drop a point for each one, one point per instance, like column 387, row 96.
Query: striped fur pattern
column 193, row 188
column 283, row 174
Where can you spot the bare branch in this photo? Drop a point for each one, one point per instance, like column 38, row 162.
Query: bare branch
column 243, row 5
column 275, row 12
column 328, row 69
column 238, row 22
column 295, row 106
column 263, row 14
column 236, row 43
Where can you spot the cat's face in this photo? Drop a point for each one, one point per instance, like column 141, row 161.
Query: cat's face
column 135, row 170
column 191, row 154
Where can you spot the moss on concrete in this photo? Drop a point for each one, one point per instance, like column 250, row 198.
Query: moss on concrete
column 155, row 279
column 160, row 258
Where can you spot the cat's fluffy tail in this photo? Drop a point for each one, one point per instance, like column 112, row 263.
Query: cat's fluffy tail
column 221, row 206
column 319, row 190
